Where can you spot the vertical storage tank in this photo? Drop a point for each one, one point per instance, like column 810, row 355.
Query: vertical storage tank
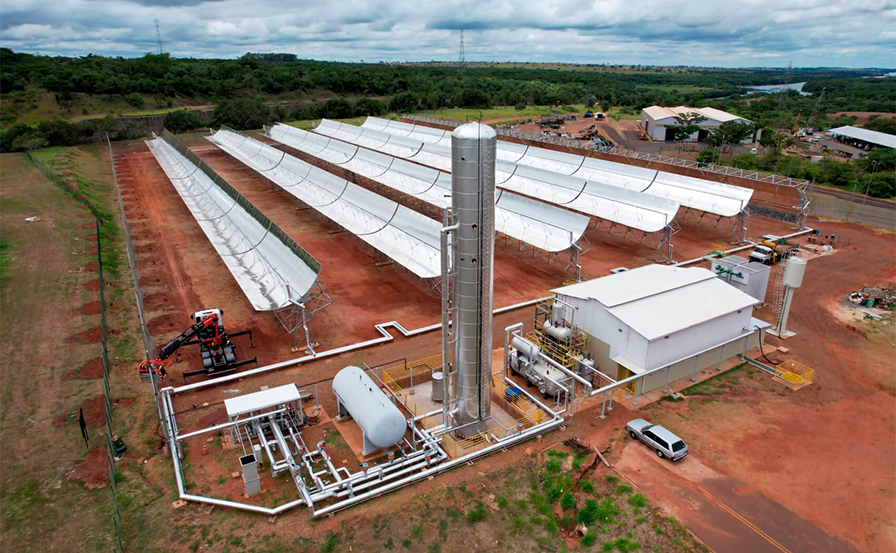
column 794, row 269
column 473, row 149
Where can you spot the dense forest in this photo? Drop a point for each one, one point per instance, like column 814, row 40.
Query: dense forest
column 255, row 89
column 425, row 87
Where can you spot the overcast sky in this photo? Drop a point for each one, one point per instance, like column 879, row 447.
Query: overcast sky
column 731, row 33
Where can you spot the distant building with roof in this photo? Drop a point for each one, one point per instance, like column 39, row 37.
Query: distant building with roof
column 656, row 120
column 862, row 138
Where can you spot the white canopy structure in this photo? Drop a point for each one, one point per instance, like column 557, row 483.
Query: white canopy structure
column 647, row 213
column 701, row 194
column 399, row 233
column 543, row 226
column 271, row 269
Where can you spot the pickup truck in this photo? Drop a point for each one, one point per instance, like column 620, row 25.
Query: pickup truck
column 665, row 443
column 770, row 252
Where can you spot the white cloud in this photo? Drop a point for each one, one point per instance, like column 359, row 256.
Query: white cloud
column 669, row 32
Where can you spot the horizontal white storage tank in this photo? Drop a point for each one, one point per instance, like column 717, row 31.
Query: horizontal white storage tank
column 381, row 422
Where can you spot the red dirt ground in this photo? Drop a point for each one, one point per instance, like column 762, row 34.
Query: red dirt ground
column 176, row 261
column 178, row 264
column 769, row 439
column 93, row 471
column 864, row 116
column 90, row 336
column 91, row 286
column 94, row 412
column 92, row 369
column 90, row 308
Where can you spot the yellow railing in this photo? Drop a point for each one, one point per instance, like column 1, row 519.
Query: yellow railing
column 458, row 447
column 401, row 395
column 400, row 372
column 527, row 412
column 561, row 353
column 794, row 375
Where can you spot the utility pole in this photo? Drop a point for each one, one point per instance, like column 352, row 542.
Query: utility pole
column 159, row 37
column 867, row 188
column 815, row 109
column 462, row 58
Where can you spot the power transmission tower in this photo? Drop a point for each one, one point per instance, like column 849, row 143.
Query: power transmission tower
column 783, row 94
column 159, row 37
column 462, row 58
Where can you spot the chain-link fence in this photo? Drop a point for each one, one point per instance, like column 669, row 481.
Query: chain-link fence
column 855, row 208
column 100, row 218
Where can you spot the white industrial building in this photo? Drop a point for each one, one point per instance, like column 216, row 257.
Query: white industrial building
column 862, row 138
column 658, row 316
column 655, row 120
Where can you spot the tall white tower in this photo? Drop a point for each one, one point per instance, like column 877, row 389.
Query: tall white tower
column 472, row 253
column 794, row 269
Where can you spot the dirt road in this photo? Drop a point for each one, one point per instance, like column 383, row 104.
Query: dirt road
column 725, row 513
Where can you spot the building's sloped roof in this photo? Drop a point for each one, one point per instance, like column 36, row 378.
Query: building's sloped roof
column 873, row 137
column 658, row 300
column 657, row 113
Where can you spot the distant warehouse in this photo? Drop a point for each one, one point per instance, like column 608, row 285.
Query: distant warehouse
column 862, row 138
column 656, row 120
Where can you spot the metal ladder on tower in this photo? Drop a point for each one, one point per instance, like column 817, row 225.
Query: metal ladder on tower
column 779, row 290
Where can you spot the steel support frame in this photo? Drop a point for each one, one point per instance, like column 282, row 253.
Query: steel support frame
column 297, row 314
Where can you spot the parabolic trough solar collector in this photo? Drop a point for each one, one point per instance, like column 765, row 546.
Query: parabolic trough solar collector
column 270, row 268
column 644, row 212
column 543, row 226
column 399, row 233
column 701, row 194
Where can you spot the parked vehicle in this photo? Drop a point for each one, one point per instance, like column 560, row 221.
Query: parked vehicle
column 770, row 252
column 665, row 443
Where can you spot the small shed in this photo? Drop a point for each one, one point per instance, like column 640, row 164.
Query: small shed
column 747, row 276
column 258, row 402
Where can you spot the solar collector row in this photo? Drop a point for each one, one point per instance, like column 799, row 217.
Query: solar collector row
column 269, row 267
column 701, row 194
column 538, row 224
column 611, row 203
column 399, row 233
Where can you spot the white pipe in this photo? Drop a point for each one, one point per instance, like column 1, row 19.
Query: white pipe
column 651, row 371
column 741, row 248
column 178, row 476
column 564, row 369
column 531, row 432
column 181, row 437
column 381, row 328
column 371, row 483
column 357, row 499
column 531, row 398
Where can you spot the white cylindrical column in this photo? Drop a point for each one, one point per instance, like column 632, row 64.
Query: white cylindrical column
column 794, row 270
